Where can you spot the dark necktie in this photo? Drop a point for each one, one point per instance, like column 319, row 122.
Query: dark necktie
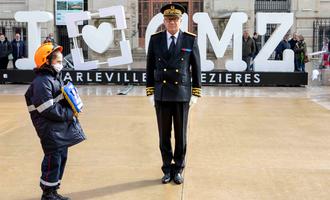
column 172, row 46
column 17, row 48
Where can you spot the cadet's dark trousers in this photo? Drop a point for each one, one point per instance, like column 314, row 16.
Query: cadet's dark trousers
column 178, row 113
column 52, row 169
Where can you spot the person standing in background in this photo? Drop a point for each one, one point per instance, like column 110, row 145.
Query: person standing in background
column 284, row 44
column 5, row 50
column 50, row 38
column 325, row 44
column 18, row 47
column 293, row 41
column 248, row 49
column 300, row 53
column 257, row 46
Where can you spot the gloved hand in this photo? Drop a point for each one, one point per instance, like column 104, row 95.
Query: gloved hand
column 152, row 100
column 193, row 100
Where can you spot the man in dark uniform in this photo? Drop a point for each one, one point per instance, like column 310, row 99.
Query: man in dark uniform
column 18, row 47
column 173, row 85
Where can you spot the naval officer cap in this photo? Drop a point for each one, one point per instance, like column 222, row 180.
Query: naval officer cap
column 172, row 10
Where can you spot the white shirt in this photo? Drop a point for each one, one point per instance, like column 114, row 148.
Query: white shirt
column 169, row 39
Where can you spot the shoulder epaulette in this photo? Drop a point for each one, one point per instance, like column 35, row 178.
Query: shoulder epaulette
column 156, row 33
column 189, row 33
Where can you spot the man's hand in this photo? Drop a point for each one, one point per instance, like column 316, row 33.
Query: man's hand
column 152, row 100
column 193, row 100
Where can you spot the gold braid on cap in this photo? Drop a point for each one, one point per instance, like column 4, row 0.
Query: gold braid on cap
column 172, row 11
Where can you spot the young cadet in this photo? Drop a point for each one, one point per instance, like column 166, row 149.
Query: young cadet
column 54, row 120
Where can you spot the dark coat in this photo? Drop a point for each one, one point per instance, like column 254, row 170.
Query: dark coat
column 20, row 53
column 248, row 47
column 5, row 49
column 283, row 45
column 173, row 77
column 257, row 46
column 51, row 114
column 293, row 43
column 300, row 50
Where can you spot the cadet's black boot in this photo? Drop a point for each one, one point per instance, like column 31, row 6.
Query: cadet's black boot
column 60, row 197
column 49, row 195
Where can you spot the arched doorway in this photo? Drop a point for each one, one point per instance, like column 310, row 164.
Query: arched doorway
column 149, row 8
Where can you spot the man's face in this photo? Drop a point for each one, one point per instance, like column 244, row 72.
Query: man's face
column 295, row 37
column 172, row 24
column 17, row 37
column 245, row 34
column 2, row 38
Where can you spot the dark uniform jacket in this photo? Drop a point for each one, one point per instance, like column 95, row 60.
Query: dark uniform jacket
column 51, row 114
column 5, row 49
column 18, row 50
column 173, row 78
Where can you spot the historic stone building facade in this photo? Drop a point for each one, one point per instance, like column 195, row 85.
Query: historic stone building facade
column 311, row 18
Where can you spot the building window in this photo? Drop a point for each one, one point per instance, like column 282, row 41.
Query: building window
column 149, row 8
column 272, row 5
column 321, row 30
column 11, row 27
column 2, row 30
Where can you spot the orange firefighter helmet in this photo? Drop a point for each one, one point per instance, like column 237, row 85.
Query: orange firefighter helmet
column 42, row 54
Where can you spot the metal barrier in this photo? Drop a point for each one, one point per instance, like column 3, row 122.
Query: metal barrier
column 320, row 73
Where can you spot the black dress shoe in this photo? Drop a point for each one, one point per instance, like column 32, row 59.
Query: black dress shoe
column 166, row 178
column 178, row 179
column 60, row 196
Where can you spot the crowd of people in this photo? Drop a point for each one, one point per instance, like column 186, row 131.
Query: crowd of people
column 15, row 49
column 11, row 50
column 251, row 48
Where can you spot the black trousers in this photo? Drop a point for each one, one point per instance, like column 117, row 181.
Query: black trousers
column 4, row 62
column 52, row 169
column 176, row 113
column 247, row 59
column 14, row 61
